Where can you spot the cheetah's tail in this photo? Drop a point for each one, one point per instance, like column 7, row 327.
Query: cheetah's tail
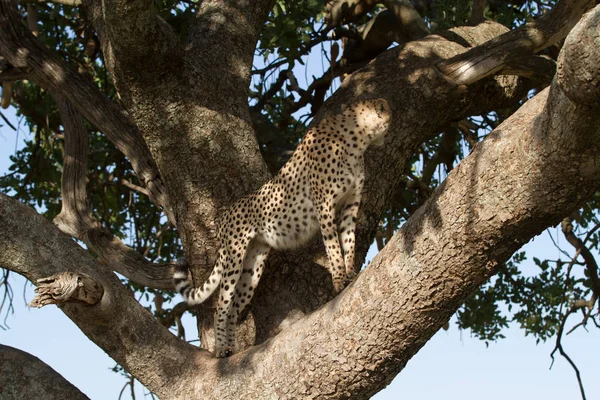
column 184, row 286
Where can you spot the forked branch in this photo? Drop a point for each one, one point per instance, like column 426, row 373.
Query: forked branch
column 559, row 347
column 591, row 267
column 76, row 218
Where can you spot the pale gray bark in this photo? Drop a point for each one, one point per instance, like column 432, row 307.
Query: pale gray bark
column 36, row 249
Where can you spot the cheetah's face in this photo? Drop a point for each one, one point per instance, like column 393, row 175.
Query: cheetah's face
column 374, row 116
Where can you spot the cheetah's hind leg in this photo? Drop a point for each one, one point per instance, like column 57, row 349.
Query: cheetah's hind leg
column 235, row 249
column 254, row 265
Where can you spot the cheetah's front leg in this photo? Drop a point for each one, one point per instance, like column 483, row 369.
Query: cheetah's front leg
column 224, row 337
column 332, row 243
column 347, row 226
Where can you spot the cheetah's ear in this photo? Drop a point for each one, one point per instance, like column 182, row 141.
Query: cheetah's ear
column 382, row 106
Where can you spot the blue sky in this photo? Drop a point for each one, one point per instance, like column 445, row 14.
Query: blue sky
column 452, row 365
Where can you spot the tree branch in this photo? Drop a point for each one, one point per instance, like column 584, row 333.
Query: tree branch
column 76, row 218
column 559, row 347
column 496, row 200
column 34, row 248
column 591, row 265
column 538, row 68
column 485, row 60
column 24, row 51
column 477, row 12
column 27, row 377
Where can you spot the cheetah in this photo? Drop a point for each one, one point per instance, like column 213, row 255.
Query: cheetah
column 318, row 188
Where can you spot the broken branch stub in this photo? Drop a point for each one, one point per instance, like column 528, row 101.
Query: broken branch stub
column 66, row 287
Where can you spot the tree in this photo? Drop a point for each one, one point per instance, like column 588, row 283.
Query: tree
column 170, row 141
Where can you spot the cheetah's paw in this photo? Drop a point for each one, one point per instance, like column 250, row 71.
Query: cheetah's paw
column 350, row 276
column 223, row 353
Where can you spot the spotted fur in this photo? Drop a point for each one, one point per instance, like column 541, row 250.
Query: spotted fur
column 319, row 188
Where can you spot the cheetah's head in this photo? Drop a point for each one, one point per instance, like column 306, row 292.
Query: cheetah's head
column 374, row 117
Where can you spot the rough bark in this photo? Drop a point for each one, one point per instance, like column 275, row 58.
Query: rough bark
column 65, row 288
column 187, row 110
column 23, row 376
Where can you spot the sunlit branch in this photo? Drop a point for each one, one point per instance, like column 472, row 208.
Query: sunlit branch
column 491, row 57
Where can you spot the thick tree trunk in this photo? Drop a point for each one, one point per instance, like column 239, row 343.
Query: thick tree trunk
column 197, row 111
column 537, row 167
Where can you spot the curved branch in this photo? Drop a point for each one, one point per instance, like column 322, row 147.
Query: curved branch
column 76, row 218
column 25, row 52
column 591, row 265
column 27, row 377
column 531, row 38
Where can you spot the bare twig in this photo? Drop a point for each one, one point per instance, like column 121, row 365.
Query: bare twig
column 591, row 265
column 558, row 347
column 555, row 244
column 7, row 121
column 322, row 37
column 7, row 296
column 134, row 187
column 592, row 268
